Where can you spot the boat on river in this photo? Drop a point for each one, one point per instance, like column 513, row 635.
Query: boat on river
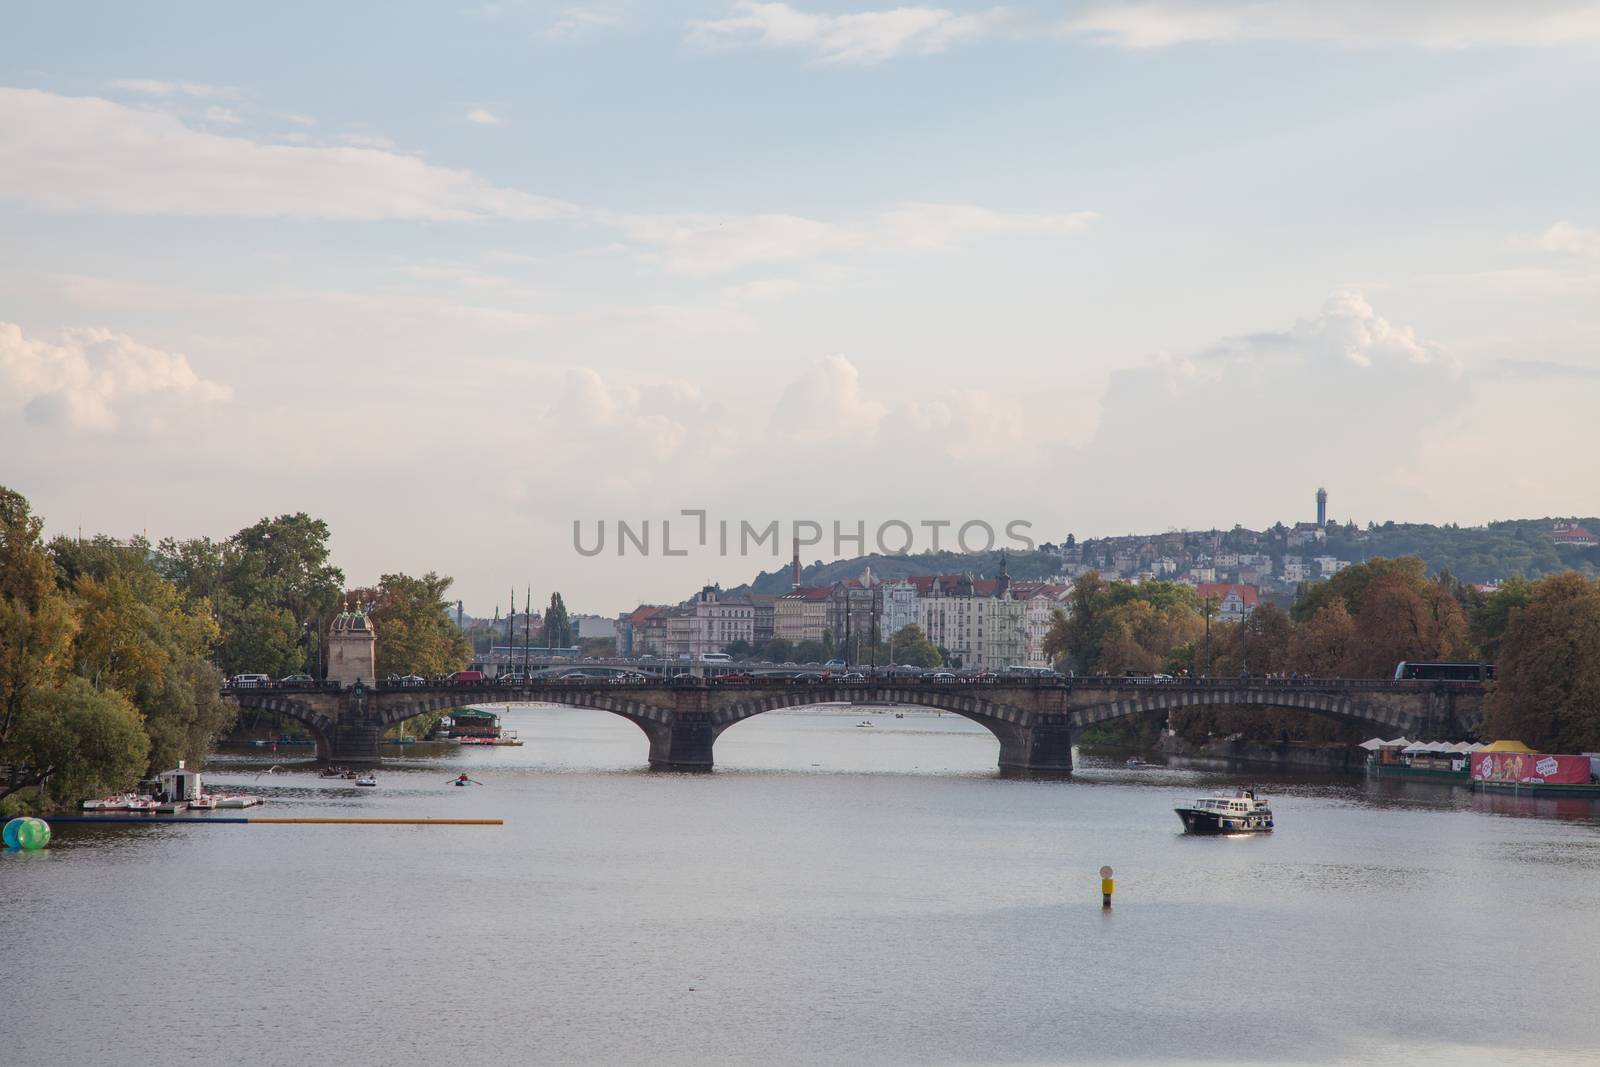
column 239, row 800
column 1242, row 813
column 368, row 781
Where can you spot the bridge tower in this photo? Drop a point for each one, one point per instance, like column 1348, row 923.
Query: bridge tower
column 352, row 649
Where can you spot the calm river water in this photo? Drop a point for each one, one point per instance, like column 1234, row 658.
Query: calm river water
column 832, row 894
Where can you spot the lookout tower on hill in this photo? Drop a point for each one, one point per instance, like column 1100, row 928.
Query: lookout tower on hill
column 352, row 649
column 1322, row 507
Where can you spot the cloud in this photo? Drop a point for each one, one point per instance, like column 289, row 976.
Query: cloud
column 85, row 153
column 709, row 244
column 939, row 225
column 224, row 115
column 92, row 378
column 826, row 403
column 1565, row 237
column 478, row 116
column 760, row 290
column 198, row 90
column 698, row 244
column 1346, row 393
column 576, row 20
column 1546, row 370
column 863, row 37
column 1352, row 23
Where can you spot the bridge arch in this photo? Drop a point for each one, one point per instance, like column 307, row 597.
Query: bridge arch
column 1341, row 707
column 323, row 729
column 1009, row 724
column 654, row 720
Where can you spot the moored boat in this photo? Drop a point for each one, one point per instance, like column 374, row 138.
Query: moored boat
column 1242, row 813
column 237, row 801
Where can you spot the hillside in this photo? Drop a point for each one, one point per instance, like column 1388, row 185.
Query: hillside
column 1476, row 554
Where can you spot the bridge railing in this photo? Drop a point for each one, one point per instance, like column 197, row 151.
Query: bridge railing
column 866, row 680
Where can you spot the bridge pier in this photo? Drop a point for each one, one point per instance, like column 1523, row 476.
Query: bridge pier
column 354, row 741
column 683, row 744
column 1040, row 750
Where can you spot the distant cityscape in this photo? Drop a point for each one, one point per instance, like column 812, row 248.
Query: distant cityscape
column 990, row 615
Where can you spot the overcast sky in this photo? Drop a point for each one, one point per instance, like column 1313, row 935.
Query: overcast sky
column 452, row 279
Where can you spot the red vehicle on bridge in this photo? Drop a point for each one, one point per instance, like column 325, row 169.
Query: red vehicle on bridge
column 467, row 678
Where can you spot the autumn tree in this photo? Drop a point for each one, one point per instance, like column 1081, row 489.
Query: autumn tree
column 1324, row 644
column 1547, row 687
column 415, row 632
column 1403, row 619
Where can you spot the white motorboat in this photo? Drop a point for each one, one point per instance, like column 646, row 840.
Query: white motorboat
column 1242, row 813
column 203, row 802
column 863, row 722
column 241, row 800
column 368, row 781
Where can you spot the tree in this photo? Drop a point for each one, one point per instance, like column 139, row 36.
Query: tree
column 556, row 631
column 1398, row 620
column 36, row 620
column 1322, row 646
column 1547, row 687
column 416, row 634
column 1350, row 584
column 79, row 741
column 778, row 650
column 1491, row 616
column 910, row 647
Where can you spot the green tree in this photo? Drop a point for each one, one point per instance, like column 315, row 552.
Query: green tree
column 1547, row 687
column 910, row 647
column 80, row 741
column 1491, row 616
column 778, row 650
column 556, row 630
column 416, row 634
column 36, row 620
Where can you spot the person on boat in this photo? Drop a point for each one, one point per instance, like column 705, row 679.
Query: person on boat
column 464, row 780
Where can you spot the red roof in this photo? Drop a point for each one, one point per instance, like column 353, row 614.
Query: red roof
column 1249, row 595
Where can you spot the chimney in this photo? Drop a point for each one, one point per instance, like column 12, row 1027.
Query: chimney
column 794, row 568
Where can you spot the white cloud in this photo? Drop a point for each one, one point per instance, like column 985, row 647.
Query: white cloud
column 198, row 90
column 576, row 20
column 1346, row 396
column 479, row 117
column 79, row 153
column 1565, row 237
column 760, row 290
column 1354, row 23
column 939, row 225
column 92, row 378
column 862, row 37
column 709, row 244
column 826, row 403
column 224, row 115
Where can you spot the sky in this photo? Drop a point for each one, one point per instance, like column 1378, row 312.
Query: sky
column 468, row 281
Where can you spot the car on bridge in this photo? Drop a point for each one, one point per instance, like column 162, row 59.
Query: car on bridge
column 733, row 678
column 939, row 676
column 466, row 678
column 296, row 679
column 251, row 681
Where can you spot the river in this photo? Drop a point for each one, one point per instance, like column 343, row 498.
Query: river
column 831, row 894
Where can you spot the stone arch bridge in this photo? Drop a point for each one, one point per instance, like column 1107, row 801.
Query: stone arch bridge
column 1036, row 721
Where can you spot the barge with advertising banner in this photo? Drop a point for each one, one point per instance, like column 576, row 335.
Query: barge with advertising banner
column 1512, row 767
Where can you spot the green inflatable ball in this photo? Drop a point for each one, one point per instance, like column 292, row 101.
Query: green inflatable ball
column 9, row 834
column 34, row 833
